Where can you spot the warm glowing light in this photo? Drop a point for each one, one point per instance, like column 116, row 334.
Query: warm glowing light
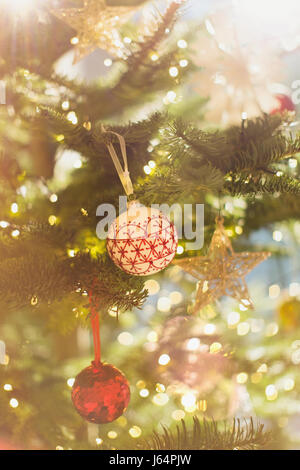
column 289, row 384
column 271, row 392
column 178, row 415
column 7, row 387
column 14, row 208
column 4, row 224
column 135, row 432
column 14, row 403
column 52, row 220
column 99, row 441
column 193, row 344
column 272, row 329
column 180, row 250
column 164, row 359
column 242, row 378
column 243, row 328
column 164, row 304
column 160, row 388
column 53, row 198
column 183, row 63
column 160, row 399
column 112, row 435
column 182, row 44
column 108, row 62
column 70, row 382
column 152, row 336
column 277, row 236
column 176, row 297
column 144, row 393
column 71, row 116
column 274, row 291
column 188, row 400
column 209, row 329
column 215, row 348
column 152, row 286
column 125, row 338
column 173, row 71
column 233, row 319
column 20, row 7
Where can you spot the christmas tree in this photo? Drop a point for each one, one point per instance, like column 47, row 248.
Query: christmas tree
column 177, row 107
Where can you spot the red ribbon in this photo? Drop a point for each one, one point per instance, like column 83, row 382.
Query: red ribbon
column 95, row 328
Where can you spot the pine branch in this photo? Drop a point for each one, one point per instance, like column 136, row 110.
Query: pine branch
column 210, row 435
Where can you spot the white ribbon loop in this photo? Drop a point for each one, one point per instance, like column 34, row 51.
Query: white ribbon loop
column 123, row 173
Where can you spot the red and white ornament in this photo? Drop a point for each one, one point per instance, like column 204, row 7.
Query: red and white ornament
column 142, row 240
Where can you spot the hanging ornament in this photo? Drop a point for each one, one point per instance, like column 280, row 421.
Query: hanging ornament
column 142, row 240
column 285, row 104
column 100, row 393
column 97, row 25
column 289, row 313
column 222, row 271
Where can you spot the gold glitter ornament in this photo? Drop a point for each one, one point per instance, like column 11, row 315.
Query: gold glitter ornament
column 97, row 25
column 222, row 271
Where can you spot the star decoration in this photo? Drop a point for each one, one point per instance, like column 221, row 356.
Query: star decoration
column 222, row 271
column 97, row 25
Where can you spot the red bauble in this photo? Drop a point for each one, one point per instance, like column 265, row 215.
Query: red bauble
column 285, row 104
column 142, row 241
column 100, row 393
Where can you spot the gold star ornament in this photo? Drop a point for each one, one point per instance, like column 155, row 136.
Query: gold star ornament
column 97, row 25
column 222, row 271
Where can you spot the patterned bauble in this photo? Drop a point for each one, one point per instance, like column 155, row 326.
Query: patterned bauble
column 142, row 240
column 289, row 313
column 100, row 393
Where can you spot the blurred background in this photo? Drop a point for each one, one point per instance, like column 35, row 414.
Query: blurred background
column 232, row 60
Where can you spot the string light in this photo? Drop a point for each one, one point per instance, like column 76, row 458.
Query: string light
column 178, row 415
column 7, row 387
column 173, row 71
column 183, row 63
column 182, row 44
column 164, row 304
column 135, row 432
column 53, row 198
column 71, row 116
column 271, row 392
column 164, row 359
column 277, row 236
column 274, row 291
column 14, row 403
column 144, row 393
column 14, row 208
column 70, row 382
column 160, row 399
column 125, row 338
column 108, row 62
column 243, row 328
column 233, row 319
